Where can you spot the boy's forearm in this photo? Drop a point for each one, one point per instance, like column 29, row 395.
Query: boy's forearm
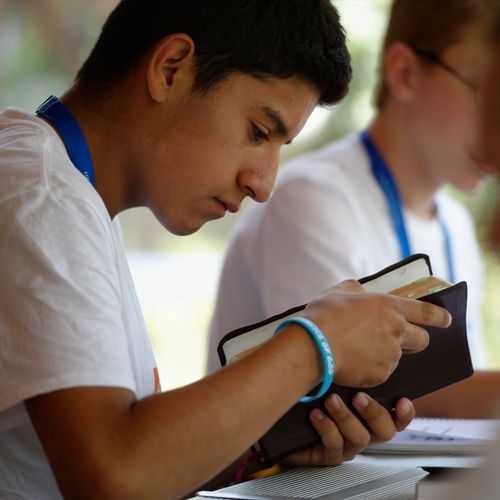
column 169, row 444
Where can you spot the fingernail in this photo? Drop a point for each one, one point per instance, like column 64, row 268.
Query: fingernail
column 450, row 319
column 361, row 400
column 404, row 406
column 317, row 415
column 334, row 402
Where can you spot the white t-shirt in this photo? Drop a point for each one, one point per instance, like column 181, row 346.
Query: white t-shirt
column 69, row 315
column 328, row 220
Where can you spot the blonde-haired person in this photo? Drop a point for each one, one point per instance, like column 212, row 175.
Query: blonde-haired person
column 485, row 483
column 482, row 483
column 365, row 201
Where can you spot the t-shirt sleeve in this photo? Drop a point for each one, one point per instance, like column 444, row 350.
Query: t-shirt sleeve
column 60, row 314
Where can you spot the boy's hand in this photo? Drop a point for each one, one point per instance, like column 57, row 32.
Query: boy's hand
column 343, row 435
column 369, row 332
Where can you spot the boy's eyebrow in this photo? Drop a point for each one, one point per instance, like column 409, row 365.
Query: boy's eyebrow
column 275, row 116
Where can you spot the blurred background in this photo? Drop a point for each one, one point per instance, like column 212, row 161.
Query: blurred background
column 42, row 45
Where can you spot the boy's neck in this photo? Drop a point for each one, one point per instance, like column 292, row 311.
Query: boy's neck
column 106, row 138
column 416, row 184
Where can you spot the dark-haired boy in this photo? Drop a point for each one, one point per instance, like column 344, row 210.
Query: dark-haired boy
column 182, row 107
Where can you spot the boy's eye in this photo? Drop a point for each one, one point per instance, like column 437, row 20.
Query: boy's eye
column 259, row 134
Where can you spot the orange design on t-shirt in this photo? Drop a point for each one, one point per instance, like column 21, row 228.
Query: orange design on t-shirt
column 157, row 379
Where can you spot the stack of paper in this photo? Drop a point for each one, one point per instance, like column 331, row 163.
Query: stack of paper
column 348, row 481
column 474, row 428
column 432, row 442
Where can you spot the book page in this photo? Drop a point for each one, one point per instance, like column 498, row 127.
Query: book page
column 421, row 287
column 345, row 481
column 434, row 436
column 398, row 277
column 421, row 460
column 465, row 428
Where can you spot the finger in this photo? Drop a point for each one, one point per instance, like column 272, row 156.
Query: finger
column 321, row 454
column 413, row 339
column 404, row 413
column 330, row 451
column 348, row 286
column 330, row 435
column 423, row 313
column 353, row 431
column 378, row 419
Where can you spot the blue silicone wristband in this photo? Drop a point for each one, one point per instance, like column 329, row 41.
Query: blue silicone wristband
column 325, row 349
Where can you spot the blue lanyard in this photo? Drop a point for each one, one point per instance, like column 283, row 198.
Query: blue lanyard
column 386, row 183
column 60, row 117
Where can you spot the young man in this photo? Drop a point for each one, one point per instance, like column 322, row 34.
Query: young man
column 368, row 200
column 183, row 107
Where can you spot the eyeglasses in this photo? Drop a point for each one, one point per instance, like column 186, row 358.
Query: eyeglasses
column 435, row 59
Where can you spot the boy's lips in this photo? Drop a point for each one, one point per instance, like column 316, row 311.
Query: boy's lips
column 228, row 206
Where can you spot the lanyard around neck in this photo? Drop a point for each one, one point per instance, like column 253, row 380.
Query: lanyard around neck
column 384, row 178
column 64, row 122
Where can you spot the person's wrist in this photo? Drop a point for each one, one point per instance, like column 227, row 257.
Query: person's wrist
column 303, row 354
column 322, row 347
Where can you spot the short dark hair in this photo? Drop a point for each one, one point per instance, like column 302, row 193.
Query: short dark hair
column 432, row 26
column 263, row 38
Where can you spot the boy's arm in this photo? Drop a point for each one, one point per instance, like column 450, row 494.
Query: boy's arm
column 103, row 443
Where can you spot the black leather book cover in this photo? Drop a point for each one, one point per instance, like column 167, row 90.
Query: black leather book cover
column 446, row 360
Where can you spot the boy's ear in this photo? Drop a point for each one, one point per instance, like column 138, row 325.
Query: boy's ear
column 170, row 66
column 400, row 70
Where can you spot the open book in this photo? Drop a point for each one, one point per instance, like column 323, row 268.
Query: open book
column 446, row 360
column 343, row 482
